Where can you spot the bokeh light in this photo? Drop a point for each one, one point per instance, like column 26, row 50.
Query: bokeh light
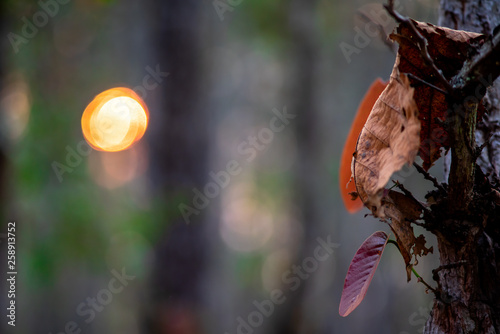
column 245, row 226
column 114, row 170
column 114, row 120
column 15, row 106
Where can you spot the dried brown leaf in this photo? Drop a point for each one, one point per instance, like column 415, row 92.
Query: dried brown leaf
column 419, row 249
column 448, row 49
column 402, row 210
column 389, row 139
column 409, row 207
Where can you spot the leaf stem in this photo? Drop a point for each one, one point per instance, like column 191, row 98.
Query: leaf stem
column 390, row 241
column 419, row 278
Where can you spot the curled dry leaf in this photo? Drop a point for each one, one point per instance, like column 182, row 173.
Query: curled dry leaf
column 449, row 49
column 361, row 271
column 353, row 203
column 389, row 139
column 402, row 210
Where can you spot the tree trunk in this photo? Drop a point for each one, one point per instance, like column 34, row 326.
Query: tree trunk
column 179, row 150
column 3, row 179
column 292, row 318
column 468, row 299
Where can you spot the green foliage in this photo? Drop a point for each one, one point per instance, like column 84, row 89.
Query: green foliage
column 248, row 269
column 263, row 20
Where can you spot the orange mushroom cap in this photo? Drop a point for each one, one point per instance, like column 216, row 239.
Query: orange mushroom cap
column 362, row 114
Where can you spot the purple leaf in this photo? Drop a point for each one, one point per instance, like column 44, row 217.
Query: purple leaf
column 361, row 271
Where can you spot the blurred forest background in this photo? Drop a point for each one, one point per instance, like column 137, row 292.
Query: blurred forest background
column 229, row 64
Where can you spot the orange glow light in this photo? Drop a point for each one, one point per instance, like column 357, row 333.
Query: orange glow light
column 114, row 120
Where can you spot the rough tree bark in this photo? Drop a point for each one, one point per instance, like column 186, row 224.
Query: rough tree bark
column 481, row 17
column 468, row 299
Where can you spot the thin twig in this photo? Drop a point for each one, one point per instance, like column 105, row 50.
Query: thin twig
column 410, row 195
column 381, row 31
column 479, row 149
column 422, row 43
column 412, row 76
column 446, row 266
column 483, row 64
column 429, row 177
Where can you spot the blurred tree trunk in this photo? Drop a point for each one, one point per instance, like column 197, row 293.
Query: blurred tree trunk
column 3, row 167
column 4, row 48
column 179, row 153
column 470, row 247
column 291, row 317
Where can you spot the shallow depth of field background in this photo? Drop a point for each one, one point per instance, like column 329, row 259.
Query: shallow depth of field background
column 113, row 212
